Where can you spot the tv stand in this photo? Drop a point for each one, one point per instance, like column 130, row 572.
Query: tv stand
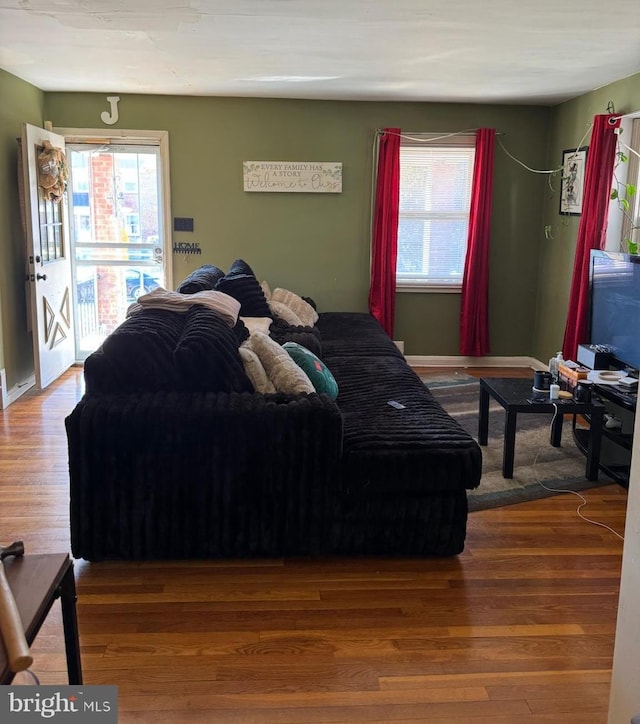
column 615, row 458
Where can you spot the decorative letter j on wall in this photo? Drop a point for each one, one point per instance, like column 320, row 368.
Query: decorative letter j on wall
column 111, row 117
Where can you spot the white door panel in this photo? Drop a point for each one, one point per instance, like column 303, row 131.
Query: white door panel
column 49, row 265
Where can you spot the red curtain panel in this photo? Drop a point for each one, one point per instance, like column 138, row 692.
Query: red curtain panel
column 382, row 291
column 593, row 225
column 474, row 304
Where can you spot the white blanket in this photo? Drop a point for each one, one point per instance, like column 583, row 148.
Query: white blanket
column 160, row 298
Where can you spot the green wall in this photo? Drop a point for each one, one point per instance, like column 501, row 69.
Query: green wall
column 20, row 102
column 319, row 244
column 569, row 122
column 316, row 244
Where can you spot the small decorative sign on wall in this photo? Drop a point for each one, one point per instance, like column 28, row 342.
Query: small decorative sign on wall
column 307, row 177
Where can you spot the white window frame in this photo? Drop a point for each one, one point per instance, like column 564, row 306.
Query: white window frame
column 630, row 225
column 618, row 226
column 466, row 140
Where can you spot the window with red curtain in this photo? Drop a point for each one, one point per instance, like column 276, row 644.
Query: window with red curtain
column 593, row 225
column 474, row 314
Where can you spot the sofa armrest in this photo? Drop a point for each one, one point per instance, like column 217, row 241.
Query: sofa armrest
column 189, row 475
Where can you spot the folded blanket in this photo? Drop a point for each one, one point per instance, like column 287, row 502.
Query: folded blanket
column 160, row 298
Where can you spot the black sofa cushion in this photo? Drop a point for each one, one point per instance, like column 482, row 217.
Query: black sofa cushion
column 308, row 337
column 137, row 355
column 241, row 332
column 159, row 350
column 416, row 449
column 206, row 355
column 201, row 279
column 354, row 334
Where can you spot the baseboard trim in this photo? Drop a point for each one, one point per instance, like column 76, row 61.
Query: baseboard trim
column 4, row 396
column 7, row 397
column 462, row 361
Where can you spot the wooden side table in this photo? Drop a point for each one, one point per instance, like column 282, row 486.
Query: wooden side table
column 36, row 582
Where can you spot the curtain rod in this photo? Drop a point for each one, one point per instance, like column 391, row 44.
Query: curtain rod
column 435, row 133
column 618, row 117
column 438, row 133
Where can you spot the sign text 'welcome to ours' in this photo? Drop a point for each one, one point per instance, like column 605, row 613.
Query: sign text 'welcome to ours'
column 292, row 177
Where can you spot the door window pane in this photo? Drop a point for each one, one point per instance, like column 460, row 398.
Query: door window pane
column 117, row 233
column 51, row 237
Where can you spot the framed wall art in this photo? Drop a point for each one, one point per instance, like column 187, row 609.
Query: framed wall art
column 574, row 162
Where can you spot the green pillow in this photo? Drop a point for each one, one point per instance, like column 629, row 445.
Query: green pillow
column 315, row 369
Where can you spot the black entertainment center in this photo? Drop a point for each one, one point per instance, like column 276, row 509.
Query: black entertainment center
column 615, row 454
column 614, row 327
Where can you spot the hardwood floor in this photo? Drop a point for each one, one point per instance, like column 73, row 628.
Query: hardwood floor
column 519, row 628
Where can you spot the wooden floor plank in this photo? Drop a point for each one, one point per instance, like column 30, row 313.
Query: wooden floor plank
column 518, row 628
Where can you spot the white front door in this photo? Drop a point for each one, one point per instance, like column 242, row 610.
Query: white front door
column 49, row 262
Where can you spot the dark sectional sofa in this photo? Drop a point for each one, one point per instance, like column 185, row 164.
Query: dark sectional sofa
column 172, row 454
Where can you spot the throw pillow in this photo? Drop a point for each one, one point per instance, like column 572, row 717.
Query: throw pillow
column 307, row 314
column 285, row 313
column 315, row 369
column 285, row 374
column 266, row 289
column 240, row 266
column 205, row 277
column 255, row 371
column 246, row 289
column 257, row 324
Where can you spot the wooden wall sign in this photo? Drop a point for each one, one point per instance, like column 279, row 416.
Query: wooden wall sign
column 307, row 177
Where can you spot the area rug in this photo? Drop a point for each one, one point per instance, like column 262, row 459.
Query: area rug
column 536, row 461
column 448, row 379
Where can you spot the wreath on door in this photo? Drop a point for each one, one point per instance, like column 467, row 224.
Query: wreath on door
column 53, row 172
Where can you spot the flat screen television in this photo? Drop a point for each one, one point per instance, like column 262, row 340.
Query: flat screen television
column 614, row 319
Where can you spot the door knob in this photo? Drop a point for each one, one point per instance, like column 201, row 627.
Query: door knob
column 41, row 276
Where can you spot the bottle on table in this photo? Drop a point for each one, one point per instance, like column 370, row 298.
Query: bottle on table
column 554, row 364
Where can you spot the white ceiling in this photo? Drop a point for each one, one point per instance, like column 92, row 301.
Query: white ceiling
column 498, row 51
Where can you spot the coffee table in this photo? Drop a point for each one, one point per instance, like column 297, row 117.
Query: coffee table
column 516, row 395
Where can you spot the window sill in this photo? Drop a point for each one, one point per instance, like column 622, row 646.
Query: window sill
column 423, row 288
